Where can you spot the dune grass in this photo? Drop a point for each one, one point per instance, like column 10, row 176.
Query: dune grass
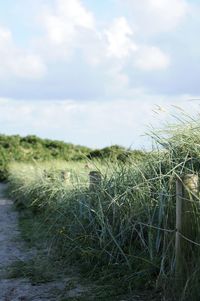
column 125, row 229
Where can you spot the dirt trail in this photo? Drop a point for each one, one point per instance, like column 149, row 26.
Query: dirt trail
column 11, row 249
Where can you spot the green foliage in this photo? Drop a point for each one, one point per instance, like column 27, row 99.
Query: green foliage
column 116, row 152
column 32, row 148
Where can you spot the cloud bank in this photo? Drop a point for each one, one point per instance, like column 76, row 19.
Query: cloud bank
column 72, row 39
column 92, row 123
column 75, row 72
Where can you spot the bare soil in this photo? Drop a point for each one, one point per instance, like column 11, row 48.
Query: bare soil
column 12, row 249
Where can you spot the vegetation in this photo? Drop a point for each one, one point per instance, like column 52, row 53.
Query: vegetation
column 32, row 148
column 116, row 153
column 125, row 228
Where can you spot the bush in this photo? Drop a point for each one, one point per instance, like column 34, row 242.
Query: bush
column 30, row 148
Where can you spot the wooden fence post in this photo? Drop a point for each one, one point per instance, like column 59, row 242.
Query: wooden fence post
column 189, row 228
column 95, row 180
column 187, row 188
column 191, row 183
column 65, row 175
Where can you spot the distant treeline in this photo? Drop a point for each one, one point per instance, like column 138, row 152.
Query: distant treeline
column 33, row 148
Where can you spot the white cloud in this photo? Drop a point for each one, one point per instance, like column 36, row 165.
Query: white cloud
column 5, row 36
column 65, row 25
column 118, row 81
column 72, row 41
column 119, row 39
column 121, row 46
column 152, row 58
column 76, row 13
column 159, row 15
column 16, row 62
column 69, row 26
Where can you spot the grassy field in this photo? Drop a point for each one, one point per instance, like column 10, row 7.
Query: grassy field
column 122, row 232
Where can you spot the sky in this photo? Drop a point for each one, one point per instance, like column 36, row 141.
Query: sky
column 96, row 72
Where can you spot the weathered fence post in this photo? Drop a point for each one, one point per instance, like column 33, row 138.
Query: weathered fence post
column 95, row 180
column 191, row 183
column 189, row 228
column 65, row 175
column 187, row 189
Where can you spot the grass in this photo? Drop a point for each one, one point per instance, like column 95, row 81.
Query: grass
column 122, row 233
column 43, row 267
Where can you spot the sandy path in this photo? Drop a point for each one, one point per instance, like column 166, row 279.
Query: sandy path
column 12, row 249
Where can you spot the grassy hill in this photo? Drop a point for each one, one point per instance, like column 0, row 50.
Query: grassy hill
column 32, row 148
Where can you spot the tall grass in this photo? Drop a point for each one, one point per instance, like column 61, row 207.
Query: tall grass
column 126, row 227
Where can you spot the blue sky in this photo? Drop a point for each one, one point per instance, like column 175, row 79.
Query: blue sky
column 97, row 72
